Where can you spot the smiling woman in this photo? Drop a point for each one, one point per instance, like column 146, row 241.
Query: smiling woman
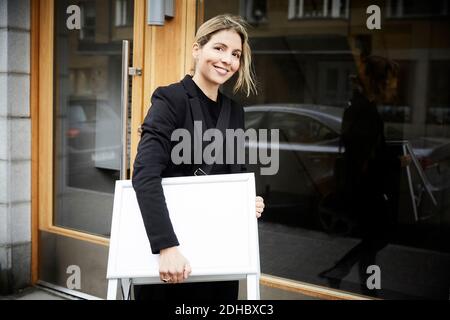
column 217, row 61
column 220, row 50
column 224, row 46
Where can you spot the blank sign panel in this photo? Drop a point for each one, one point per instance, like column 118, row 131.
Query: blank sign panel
column 213, row 217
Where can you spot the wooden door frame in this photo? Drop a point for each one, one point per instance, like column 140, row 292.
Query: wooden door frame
column 42, row 124
column 153, row 48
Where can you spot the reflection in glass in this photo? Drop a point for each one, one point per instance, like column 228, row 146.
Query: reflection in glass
column 87, row 75
column 306, row 69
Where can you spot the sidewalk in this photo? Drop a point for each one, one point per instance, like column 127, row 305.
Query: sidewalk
column 37, row 293
column 40, row 293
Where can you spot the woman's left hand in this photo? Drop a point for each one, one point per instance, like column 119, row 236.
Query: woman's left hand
column 259, row 206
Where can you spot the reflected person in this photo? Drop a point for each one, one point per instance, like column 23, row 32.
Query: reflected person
column 371, row 170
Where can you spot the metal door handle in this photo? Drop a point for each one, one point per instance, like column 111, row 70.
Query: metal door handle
column 134, row 71
column 124, row 108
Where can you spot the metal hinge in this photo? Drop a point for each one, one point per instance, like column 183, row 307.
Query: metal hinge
column 134, row 71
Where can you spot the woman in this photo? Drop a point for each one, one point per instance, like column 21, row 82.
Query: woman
column 220, row 50
column 371, row 167
column 371, row 170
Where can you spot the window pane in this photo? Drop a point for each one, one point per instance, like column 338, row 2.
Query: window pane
column 254, row 120
column 329, row 214
column 87, row 116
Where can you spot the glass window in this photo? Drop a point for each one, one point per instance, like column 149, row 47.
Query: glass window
column 350, row 102
column 439, row 93
column 87, row 82
column 417, row 8
column 301, row 9
column 300, row 128
column 255, row 11
column 87, row 31
column 254, row 120
column 123, row 13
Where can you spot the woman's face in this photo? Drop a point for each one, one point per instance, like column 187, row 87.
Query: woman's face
column 219, row 59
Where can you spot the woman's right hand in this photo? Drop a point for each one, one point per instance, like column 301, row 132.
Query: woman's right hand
column 173, row 266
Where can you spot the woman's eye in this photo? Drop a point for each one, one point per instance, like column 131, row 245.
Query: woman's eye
column 218, row 48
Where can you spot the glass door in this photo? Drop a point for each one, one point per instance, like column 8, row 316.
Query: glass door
column 88, row 112
column 92, row 50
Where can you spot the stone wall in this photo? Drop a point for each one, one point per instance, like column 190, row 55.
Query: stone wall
column 15, row 145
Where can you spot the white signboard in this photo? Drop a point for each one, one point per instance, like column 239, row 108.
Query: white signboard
column 214, row 220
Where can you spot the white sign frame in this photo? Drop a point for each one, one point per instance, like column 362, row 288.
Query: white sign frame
column 207, row 205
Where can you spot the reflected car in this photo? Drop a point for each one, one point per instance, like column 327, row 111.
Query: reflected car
column 93, row 143
column 309, row 138
column 308, row 146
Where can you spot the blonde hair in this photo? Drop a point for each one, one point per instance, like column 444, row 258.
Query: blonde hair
column 245, row 81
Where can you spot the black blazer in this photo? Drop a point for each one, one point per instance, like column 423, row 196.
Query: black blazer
column 174, row 106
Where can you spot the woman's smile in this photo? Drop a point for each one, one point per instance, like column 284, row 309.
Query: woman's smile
column 222, row 71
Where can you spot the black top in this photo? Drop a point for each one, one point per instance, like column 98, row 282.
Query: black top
column 370, row 165
column 211, row 111
column 210, row 108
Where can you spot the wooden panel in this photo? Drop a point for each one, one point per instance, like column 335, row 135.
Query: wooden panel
column 137, row 93
column 78, row 235
column 191, row 17
column 307, row 289
column 146, row 72
column 168, row 43
column 45, row 114
column 166, row 49
column 200, row 12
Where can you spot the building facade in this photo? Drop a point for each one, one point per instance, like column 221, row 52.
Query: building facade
column 62, row 94
column 15, row 146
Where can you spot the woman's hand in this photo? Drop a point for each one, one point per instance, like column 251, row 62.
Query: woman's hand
column 259, row 206
column 173, row 266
